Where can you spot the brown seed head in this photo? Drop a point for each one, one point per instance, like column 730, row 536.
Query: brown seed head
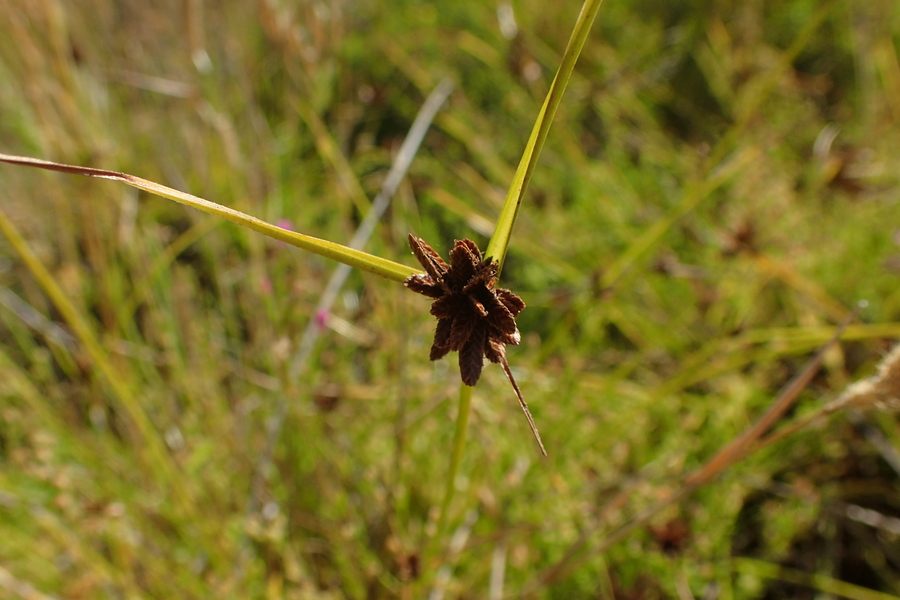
column 475, row 318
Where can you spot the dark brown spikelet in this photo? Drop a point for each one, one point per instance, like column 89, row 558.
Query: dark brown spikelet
column 475, row 318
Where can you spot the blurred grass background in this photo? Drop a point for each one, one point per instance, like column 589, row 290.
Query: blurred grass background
column 718, row 190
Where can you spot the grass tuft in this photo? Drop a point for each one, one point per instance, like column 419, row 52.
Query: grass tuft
column 717, row 192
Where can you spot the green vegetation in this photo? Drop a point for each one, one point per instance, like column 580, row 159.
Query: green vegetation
column 717, row 192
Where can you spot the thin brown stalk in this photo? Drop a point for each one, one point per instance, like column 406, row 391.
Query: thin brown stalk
column 523, row 404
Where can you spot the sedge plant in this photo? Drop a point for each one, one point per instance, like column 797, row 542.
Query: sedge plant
column 495, row 252
column 723, row 164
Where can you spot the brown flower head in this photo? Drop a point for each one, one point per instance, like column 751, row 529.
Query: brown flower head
column 475, row 318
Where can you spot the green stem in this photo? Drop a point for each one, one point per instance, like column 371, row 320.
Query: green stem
column 459, row 444
column 503, row 229
column 349, row 256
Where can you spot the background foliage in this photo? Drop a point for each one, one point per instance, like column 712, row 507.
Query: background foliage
column 719, row 188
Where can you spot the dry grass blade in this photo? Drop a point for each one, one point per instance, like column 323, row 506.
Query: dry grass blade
column 523, row 404
column 741, row 446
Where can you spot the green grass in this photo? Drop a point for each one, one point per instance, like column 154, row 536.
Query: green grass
column 684, row 247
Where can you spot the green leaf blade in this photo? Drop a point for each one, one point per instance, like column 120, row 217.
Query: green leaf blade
column 500, row 240
column 349, row 256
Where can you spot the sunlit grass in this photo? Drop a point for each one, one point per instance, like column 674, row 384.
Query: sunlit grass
column 691, row 235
